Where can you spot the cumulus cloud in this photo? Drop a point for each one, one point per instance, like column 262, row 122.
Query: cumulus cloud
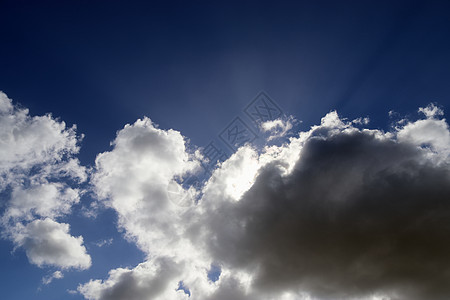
column 357, row 216
column 337, row 212
column 47, row 242
column 133, row 179
column 431, row 132
column 40, row 141
column 146, row 281
column 38, row 175
column 44, row 200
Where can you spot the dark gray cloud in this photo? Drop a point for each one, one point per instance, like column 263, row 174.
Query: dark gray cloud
column 147, row 281
column 335, row 213
column 359, row 215
column 131, row 286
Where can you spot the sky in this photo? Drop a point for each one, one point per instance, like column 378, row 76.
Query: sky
column 224, row 150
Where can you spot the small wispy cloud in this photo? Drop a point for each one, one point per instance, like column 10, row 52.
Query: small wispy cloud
column 105, row 242
column 48, row 279
column 278, row 128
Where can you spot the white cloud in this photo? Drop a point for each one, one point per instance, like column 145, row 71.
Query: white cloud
column 102, row 243
column 27, row 142
column 5, row 104
column 278, row 128
column 133, row 179
column 236, row 175
column 55, row 275
column 336, row 212
column 45, row 200
column 362, row 121
column 431, row 132
column 149, row 280
column 431, row 111
column 47, row 242
column 38, row 172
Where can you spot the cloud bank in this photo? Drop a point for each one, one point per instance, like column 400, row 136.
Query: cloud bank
column 337, row 212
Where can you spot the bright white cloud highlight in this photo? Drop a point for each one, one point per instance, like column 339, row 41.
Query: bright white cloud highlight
column 133, row 179
column 431, row 132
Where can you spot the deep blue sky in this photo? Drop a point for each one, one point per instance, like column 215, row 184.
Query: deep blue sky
column 194, row 65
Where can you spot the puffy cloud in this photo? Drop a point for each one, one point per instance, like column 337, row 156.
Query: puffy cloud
column 37, row 169
column 431, row 132
column 28, row 142
column 5, row 103
column 431, row 111
column 45, row 200
column 47, row 242
column 361, row 213
column 336, row 212
column 357, row 215
column 133, row 179
column 149, row 280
